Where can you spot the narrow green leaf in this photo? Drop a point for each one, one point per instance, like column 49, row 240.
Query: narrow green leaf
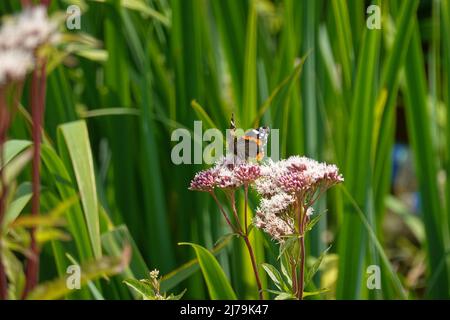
column 315, row 267
column 76, row 140
column 275, row 275
column 218, row 285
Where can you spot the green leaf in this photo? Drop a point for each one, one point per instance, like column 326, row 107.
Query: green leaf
column 249, row 104
column 13, row 148
column 176, row 297
column 58, row 173
column 419, row 126
column 183, row 272
column 203, row 115
column 314, row 220
column 94, row 290
column 288, row 82
column 22, row 197
column 15, row 273
column 285, row 296
column 387, row 264
column 142, row 288
column 218, row 285
column 358, row 166
column 105, row 266
column 114, row 241
column 315, row 267
column 314, row 293
column 76, row 140
column 275, row 275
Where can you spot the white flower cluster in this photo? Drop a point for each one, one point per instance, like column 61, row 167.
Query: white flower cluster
column 286, row 184
column 20, row 36
column 272, row 218
column 275, row 226
column 14, row 64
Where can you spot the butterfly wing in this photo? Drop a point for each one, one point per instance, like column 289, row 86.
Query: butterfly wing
column 251, row 144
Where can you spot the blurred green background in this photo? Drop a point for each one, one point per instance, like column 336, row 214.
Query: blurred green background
column 373, row 101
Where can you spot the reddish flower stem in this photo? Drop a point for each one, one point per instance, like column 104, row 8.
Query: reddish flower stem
column 254, row 266
column 301, row 274
column 245, row 210
column 38, row 89
column 233, row 228
column 294, row 275
column 247, row 241
column 301, row 253
column 232, row 198
column 25, row 3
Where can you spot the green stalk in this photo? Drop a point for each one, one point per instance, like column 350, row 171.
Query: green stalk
column 4, row 124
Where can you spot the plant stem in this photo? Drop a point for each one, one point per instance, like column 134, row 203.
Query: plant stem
column 4, row 124
column 233, row 228
column 38, row 89
column 294, row 276
column 302, row 269
column 301, row 254
column 232, row 199
column 25, row 3
column 247, row 241
column 245, row 209
column 254, row 266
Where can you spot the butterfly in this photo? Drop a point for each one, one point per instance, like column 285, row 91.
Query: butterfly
column 250, row 145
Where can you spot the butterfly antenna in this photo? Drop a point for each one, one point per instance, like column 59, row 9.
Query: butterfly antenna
column 232, row 123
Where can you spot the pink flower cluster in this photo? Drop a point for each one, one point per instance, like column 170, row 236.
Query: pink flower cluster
column 225, row 176
column 296, row 174
column 283, row 186
column 289, row 183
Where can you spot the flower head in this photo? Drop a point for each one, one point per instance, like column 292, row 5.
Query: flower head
column 154, row 274
column 20, row 36
column 247, row 172
column 277, row 205
column 277, row 227
column 226, row 174
column 296, row 174
column 226, row 178
column 267, row 185
column 28, row 30
column 273, row 217
column 15, row 64
column 204, row 180
column 286, row 184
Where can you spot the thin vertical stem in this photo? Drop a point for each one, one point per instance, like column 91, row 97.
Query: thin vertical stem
column 247, row 241
column 301, row 253
column 294, row 276
column 38, row 89
column 245, row 209
column 254, row 266
column 4, row 124
column 302, row 269
column 25, row 3
column 232, row 198
column 233, row 228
